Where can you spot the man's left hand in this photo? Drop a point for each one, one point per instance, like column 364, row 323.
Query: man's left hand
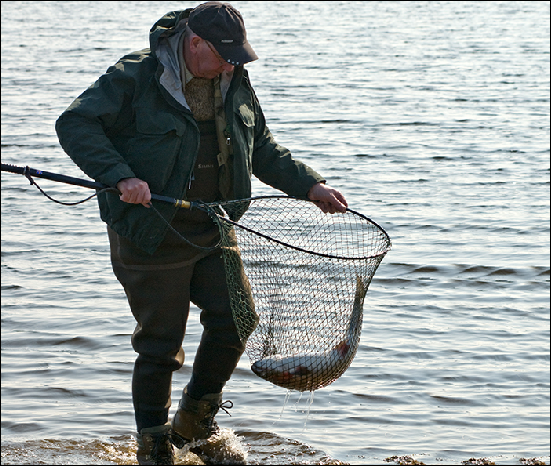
column 328, row 199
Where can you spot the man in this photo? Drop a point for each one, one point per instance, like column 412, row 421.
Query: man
column 179, row 119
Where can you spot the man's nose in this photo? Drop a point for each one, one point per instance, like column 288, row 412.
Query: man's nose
column 227, row 67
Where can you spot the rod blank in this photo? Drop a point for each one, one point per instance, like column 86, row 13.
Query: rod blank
column 84, row 183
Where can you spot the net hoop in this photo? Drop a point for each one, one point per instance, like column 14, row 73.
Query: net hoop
column 297, row 280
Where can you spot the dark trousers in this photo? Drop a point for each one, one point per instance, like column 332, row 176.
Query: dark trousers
column 159, row 288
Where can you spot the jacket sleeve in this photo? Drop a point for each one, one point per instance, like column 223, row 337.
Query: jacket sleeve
column 83, row 128
column 274, row 165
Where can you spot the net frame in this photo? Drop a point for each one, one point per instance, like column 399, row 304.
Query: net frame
column 297, row 279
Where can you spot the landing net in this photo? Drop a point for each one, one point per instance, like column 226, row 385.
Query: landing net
column 297, row 279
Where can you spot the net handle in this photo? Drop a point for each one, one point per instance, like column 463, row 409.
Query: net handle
column 27, row 171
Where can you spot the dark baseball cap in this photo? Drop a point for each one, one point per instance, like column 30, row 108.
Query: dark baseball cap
column 222, row 25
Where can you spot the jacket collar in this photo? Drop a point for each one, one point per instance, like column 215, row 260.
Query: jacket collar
column 166, row 40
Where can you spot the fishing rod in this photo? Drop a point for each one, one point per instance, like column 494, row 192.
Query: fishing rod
column 29, row 172
column 208, row 208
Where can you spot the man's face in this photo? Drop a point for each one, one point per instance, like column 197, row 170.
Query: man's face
column 208, row 63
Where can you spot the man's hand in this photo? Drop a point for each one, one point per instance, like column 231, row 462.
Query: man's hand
column 134, row 191
column 328, row 199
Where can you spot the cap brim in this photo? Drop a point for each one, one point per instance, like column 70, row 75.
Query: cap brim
column 236, row 54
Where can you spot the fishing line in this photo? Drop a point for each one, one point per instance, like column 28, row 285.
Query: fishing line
column 27, row 173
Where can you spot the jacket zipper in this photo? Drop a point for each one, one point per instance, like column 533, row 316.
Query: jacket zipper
column 191, row 174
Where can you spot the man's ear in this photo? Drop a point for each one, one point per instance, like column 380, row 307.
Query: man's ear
column 194, row 43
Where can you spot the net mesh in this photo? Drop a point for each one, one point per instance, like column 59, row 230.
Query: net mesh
column 297, row 279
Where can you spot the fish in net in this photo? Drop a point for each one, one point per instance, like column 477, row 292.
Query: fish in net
column 297, row 279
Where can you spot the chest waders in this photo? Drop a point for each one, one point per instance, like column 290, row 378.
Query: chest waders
column 160, row 287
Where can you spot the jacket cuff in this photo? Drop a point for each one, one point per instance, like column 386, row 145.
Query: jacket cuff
column 116, row 174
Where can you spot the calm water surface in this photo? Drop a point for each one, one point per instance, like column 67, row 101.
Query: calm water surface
column 431, row 117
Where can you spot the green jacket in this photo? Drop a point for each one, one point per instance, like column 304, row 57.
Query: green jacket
column 133, row 123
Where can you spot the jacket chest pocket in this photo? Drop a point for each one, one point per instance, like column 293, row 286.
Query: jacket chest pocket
column 156, row 145
column 155, row 122
column 154, row 116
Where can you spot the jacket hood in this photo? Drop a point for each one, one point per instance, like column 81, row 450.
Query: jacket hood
column 170, row 24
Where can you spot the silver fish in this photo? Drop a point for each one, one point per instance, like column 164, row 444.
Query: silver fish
column 300, row 370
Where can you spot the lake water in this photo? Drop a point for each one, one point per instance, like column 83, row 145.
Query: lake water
column 431, row 117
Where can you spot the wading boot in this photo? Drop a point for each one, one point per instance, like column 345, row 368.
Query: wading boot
column 194, row 419
column 155, row 445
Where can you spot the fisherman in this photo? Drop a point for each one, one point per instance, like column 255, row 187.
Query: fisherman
column 179, row 119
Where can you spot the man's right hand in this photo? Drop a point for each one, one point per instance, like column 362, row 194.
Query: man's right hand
column 134, row 191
